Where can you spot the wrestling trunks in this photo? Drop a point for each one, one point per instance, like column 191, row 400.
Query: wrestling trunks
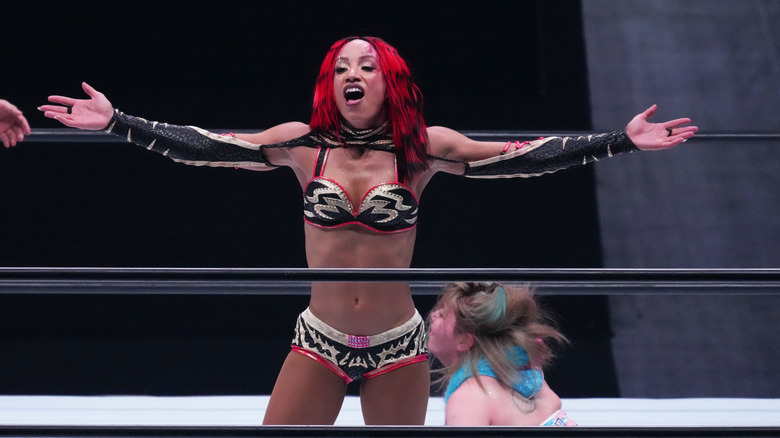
column 360, row 357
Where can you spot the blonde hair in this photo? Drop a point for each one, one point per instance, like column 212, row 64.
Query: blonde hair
column 499, row 317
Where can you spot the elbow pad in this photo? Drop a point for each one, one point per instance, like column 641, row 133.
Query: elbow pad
column 550, row 154
column 187, row 144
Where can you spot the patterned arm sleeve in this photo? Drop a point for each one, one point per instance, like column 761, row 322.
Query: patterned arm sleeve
column 187, row 144
column 551, row 154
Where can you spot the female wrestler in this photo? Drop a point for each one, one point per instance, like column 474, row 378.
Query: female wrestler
column 491, row 340
column 362, row 162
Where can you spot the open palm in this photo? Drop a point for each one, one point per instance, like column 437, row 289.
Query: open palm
column 654, row 136
column 93, row 113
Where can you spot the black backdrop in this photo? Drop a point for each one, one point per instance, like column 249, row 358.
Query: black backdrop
column 241, row 65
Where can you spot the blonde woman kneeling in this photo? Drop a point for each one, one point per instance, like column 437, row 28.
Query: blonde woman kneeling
column 492, row 341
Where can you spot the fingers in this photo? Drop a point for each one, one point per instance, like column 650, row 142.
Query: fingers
column 53, row 108
column 677, row 139
column 11, row 136
column 67, row 119
column 685, row 131
column 88, row 88
column 91, row 92
column 678, row 136
column 7, row 108
column 64, row 118
column 55, row 111
column 676, row 122
column 15, row 135
column 22, row 122
column 15, row 132
column 69, row 101
column 64, row 100
column 56, row 115
column 646, row 114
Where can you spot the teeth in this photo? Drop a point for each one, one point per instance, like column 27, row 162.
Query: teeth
column 353, row 93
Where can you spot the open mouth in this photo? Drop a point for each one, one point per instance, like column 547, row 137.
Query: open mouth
column 353, row 94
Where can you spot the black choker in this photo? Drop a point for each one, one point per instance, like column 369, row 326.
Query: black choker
column 348, row 131
column 348, row 136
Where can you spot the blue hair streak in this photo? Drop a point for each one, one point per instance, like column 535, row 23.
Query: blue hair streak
column 499, row 311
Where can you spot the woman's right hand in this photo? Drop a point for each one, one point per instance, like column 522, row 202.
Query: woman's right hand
column 93, row 113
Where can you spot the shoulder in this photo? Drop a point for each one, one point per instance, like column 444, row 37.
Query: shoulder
column 443, row 144
column 470, row 404
column 452, row 145
column 291, row 157
column 442, row 141
column 278, row 134
column 288, row 131
column 472, row 391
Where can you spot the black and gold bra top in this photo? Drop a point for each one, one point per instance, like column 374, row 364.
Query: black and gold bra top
column 389, row 207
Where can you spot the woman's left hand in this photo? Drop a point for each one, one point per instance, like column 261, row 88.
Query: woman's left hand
column 655, row 136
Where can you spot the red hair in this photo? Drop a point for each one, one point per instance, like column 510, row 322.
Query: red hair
column 403, row 104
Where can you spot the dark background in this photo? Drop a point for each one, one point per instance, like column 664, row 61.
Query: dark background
column 239, row 65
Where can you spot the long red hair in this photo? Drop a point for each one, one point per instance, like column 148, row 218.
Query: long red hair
column 403, row 104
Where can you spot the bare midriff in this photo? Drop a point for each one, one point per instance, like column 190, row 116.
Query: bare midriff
column 364, row 308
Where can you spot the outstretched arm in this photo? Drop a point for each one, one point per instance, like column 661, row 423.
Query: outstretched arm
column 185, row 144
column 545, row 155
column 13, row 125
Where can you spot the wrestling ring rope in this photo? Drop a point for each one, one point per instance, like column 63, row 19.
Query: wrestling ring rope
column 65, row 135
column 240, row 416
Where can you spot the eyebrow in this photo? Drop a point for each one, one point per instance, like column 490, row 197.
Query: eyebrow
column 362, row 58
